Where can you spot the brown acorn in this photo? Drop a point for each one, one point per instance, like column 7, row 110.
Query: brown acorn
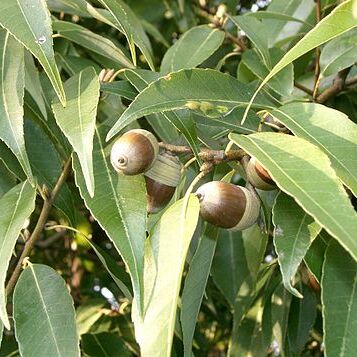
column 134, row 152
column 161, row 181
column 258, row 176
column 228, row 206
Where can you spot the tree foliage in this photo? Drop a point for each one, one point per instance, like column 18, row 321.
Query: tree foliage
column 85, row 270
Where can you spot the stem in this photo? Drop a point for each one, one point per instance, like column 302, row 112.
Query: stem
column 338, row 85
column 46, row 208
column 318, row 53
column 206, row 155
column 303, row 88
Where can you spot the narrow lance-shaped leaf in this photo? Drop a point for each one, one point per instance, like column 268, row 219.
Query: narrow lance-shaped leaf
column 77, row 119
column 47, row 166
column 12, row 83
column 195, row 284
column 125, row 20
column 92, row 41
column 194, row 47
column 294, row 232
column 7, row 179
column 255, row 30
column 15, row 207
column 339, row 302
column 33, row 84
column 339, row 53
column 331, row 130
column 206, row 91
column 119, row 206
column 104, row 344
column 42, row 299
column 300, row 169
column 165, row 258
column 336, row 23
column 29, row 22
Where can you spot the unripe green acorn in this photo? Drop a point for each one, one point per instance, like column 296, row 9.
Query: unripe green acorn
column 134, row 152
column 161, row 181
column 228, row 206
column 258, row 176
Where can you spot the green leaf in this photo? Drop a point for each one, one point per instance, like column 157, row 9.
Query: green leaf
column 195, row 284
column 283, row 82
column 15, row 207
column 104, row 344
column 315, row 256
column 7, row 179
column 278, row 31
column 339, row 53
column 276, row 16
column 336, row 23
column 166, row 252
column 244, row 251
column 92, row 41
column 125, row 20
column 42, row 299
column 12, row 82
column 255, row 30
column 194, row 47
column 302, row 316
column 10, row 161
column 330, row 130
column 47, row 165
column 209, row 92
column 119, row 206
column 249, row 339
column 121, row 88
column 33, row 84
column 339, row 302
column 88, row 313
column 294, row 232
column 120, row 277
column 72, row 65
column 281, row 300
column 303, row 171
column 77, row 119
column 33, row 29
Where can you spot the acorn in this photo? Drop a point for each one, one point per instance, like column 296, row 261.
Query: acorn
column 134, row 152
column 258, row 176
column 228, row 206
column 161, row 181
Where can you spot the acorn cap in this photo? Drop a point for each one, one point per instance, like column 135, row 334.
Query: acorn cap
column 228, row 206
column 166, row 170
column 134, row 152
column 258, row 176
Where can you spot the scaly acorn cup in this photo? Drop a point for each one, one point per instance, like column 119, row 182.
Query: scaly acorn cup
column 134, row 152
column 228, row 206
column 161, row 181
column 258, row 176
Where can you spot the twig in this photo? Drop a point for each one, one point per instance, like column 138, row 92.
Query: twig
column 318, row 53
column 303, row 88
column 219, row 24
column 206, row 155
column 46, row 208
column 338, row 85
